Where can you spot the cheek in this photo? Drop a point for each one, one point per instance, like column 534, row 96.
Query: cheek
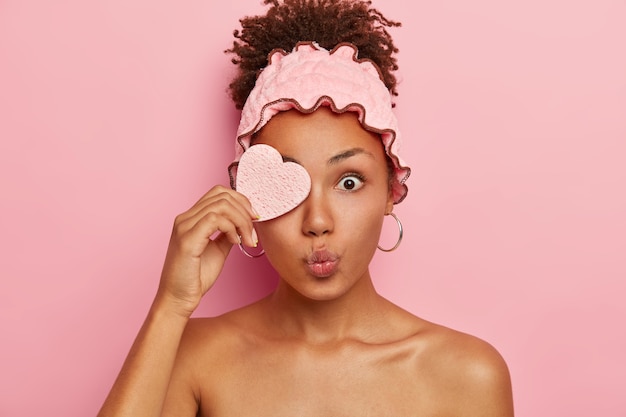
column 368, row 226
column 276, row 232
column 280, row 241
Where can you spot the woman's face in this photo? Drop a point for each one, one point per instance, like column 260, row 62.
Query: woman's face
column 323, row 247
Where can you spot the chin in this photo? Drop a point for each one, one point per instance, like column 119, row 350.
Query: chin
column 321, row 289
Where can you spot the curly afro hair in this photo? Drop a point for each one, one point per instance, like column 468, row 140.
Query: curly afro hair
column 327, row 22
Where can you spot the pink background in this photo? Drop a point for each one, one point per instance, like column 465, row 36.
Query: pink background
column 114, row 118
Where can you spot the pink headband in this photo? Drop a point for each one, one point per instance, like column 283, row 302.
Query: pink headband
column 310, row 77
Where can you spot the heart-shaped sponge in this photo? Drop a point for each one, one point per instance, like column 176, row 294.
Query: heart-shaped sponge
column 273, row 187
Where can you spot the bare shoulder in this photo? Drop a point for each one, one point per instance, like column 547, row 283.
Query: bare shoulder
column 471, row 375
column 220, row 333
column 464, row 354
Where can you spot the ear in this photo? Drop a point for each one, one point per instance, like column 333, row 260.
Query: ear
column 389, row 204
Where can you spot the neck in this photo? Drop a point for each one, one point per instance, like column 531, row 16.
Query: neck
column 358, row 314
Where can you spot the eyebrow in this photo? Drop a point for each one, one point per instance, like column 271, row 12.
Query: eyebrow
column 348, row 154
column 337, row 158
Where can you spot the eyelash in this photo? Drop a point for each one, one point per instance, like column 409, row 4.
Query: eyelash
column 359, row 177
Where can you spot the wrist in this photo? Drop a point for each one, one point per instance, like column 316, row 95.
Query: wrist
column 169, row 306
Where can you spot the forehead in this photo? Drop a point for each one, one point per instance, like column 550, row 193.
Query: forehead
column 322, row 132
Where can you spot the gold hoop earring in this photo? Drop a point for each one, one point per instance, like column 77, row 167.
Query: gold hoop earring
column 250, row 255
column 399, row 235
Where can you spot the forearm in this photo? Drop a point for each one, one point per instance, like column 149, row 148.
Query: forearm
column 142, row 384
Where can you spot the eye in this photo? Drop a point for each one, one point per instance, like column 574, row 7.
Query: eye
column 350, row 182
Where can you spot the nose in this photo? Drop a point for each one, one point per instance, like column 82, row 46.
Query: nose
column 318, row 217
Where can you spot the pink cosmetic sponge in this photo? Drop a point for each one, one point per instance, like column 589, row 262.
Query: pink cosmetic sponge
column 273, row 187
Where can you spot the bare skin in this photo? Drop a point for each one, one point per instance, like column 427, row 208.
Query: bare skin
column 325, row 343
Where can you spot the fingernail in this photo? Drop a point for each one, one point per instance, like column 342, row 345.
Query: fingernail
column 256, row 215
column 255, row 239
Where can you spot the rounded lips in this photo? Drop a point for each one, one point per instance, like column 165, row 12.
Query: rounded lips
column 322, row 263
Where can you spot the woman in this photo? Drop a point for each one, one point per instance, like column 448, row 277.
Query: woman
column 324, row 343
